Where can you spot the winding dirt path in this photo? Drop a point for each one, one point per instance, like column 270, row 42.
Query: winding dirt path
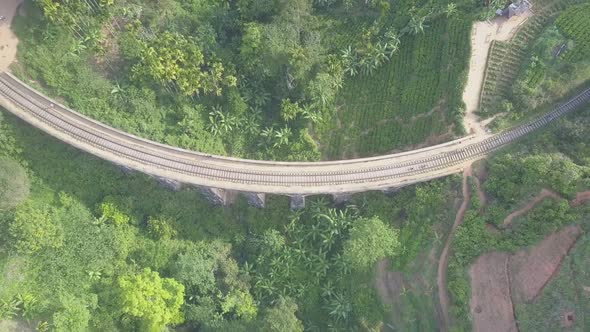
column 8, row 41
column 443, row 262
column 581, row 198
column 545, row 193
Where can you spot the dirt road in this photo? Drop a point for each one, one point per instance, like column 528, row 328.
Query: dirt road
column 8, row 41
column 482, row 35
column 581, row 198
column 545, row 193
column 443, row 262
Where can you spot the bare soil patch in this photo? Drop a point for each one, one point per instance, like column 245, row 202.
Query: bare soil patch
column 545, row 193
column 8, row 41
column 482, row 35
column 443, row 262
column 389, row 284
column 14, row 326
column 491, row 303
column 531, row 269
column 581, row 198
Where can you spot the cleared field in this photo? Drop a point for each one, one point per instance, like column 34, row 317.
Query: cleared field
column 564, row 304
column 410, row 101
column 530, row 270
column 491, row 305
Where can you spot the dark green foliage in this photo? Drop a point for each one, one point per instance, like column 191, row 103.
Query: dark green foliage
column 513, row 176
column 306, row 262
column 407, row 101
column 575, row 25
column 370, row 241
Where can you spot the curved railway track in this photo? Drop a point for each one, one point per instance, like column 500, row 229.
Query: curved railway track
column 250, row 175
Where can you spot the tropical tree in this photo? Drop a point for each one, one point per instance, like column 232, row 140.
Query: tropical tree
column 33, row 229
column 281, row 317
column 290, row 110
column 392, row 42
column 350, row 61
column 154, row 301
column 172, row 58
column 417, row 24
column 339, row 307
column 451, row 9
column 221, row 123
column 370, row 240
column 282, row 136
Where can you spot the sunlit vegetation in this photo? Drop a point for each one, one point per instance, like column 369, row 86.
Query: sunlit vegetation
column 86, row 247
column 290, row 80
column 414, row 98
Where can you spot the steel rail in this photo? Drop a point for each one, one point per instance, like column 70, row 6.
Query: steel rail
column 196, row 168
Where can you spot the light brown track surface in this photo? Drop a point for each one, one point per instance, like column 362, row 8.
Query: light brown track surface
column 545, row 193
column 443, row 262
column 345, row 176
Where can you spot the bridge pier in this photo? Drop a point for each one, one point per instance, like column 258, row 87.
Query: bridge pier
column 126, row 170
column 257, row 200
column 169, row 184
column 297, row 202
column 393, row 190
column 219, row 196
column 341, row 198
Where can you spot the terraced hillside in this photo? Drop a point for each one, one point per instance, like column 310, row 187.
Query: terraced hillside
column 506, row 58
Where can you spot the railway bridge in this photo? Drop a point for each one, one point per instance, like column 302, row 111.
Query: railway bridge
column 222, row 177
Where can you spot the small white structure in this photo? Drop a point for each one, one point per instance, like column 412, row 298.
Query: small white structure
column 516, row 8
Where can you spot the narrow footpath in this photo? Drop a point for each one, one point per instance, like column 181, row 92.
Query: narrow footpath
column 443, row 262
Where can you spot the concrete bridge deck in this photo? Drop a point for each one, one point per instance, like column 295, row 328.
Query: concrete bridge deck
column 253, row 176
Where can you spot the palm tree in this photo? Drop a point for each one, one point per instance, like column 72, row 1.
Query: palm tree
column 282, row 135
column 221, row 123
column 117, row 89
column 328, row 289
column 309, row 114
column 416, row 24
column 392, row 42
column 314, row 232
column 261, row 98
column 350, row 61
column 267, row 134
column 451, row 9
column 339, row 308
column 379, row 55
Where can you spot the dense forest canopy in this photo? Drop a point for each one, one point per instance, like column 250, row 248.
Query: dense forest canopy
column 258, row 79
